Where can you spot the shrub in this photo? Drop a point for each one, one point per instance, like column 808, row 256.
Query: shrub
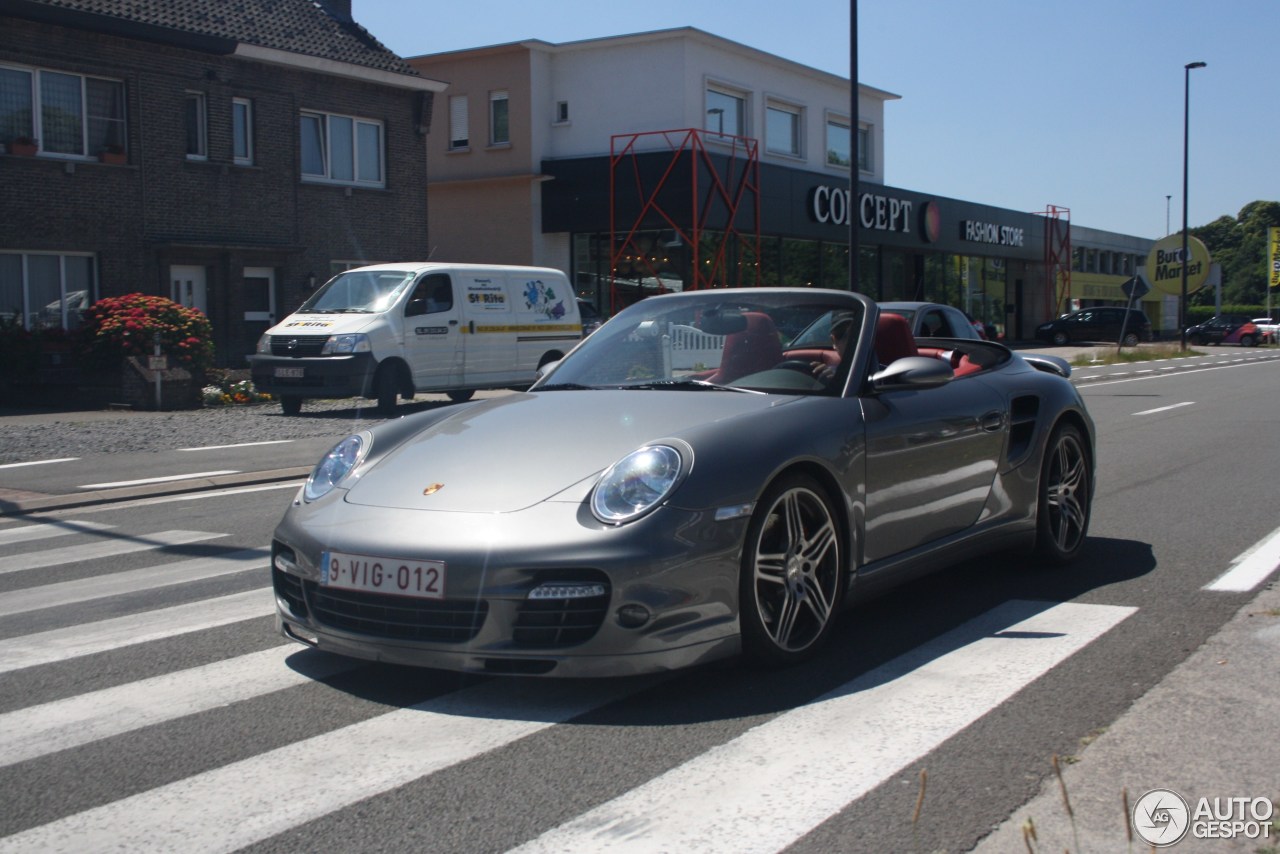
column 118, row 327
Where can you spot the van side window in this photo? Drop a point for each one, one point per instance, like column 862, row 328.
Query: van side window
column 433, row 293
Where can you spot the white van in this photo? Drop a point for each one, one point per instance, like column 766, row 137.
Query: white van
column 391, row 330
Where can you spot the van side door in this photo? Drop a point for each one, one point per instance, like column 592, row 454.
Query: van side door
column 489, row 329
column 433, row 340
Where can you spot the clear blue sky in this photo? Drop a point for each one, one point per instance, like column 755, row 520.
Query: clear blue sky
column 1019, row 104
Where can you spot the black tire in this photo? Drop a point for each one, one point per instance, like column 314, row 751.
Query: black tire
column 1247, row 341
column 1065, row 496
column 1196, row 340
column 1130, row 339
column 387, row 390
column 290, row 404
column 1061, row 339
column 792, row 578
column 461, row 396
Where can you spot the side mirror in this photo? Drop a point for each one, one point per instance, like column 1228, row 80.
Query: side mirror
column 416, row 307
column 913, row 372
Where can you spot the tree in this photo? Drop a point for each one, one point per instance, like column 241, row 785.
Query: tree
column 1240, row 246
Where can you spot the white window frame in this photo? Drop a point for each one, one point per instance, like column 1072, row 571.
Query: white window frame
column 743, row 97
column 200, row 150
column 90, row 144
column 496, row 97
column 835, row 120
column 459, row 119
column 331, row 127
column 794, row 145
column 242, row 122
column 866, row 151
column 562, row 113
column 32, row 314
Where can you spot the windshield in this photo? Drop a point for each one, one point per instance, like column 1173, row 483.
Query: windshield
column 774, row 342
column 359, row 291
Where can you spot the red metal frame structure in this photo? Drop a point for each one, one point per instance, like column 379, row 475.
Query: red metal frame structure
column 1057, row 257
column 730, row 172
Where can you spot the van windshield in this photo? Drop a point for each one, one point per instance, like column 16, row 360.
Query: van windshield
column 359, row 292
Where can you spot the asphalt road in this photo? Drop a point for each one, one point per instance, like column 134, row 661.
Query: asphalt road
column 145, row 701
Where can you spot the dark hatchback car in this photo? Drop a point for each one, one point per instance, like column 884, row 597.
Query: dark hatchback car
column 1223, row 329
column 1102, row 323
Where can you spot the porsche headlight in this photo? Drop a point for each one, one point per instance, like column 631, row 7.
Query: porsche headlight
column 336, row 465
column 340, row 345
column 636, row 484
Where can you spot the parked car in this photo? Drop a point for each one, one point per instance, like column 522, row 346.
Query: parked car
column 1101, row 323
column 626, row 515
column 1225, row 329
column 933, row 320
column 592, row 319
column 1268, row 328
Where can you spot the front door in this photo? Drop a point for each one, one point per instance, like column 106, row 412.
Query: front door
column 189, row 287
column 931, row 462
column 433, row 341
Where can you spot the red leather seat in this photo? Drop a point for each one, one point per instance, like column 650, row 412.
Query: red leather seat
column 754, row 349
column 893, row 339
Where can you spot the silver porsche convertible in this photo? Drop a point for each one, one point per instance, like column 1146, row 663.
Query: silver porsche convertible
column 711, row 473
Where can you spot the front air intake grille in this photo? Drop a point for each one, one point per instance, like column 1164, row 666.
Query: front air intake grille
column 396, row 617
column 297, row 345
column 548, row 623
column 289, row 588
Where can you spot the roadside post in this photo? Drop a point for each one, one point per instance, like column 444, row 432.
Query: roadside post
column 1134, row 288
column 157, row 364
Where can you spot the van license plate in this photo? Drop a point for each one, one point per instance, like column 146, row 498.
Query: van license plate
column 289, row 373
column 423, row 579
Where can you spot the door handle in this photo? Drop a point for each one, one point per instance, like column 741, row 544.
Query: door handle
column 992, row 421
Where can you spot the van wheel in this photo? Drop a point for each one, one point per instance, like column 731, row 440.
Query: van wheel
column 461, row 396
column 386, row 390
column 290, row 404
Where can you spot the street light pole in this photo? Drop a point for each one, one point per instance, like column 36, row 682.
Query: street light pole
column 1167, row 199
column 1186, row 137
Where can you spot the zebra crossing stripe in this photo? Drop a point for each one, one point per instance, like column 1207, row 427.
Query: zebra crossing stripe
column 132, row 581
column 62, row 724
column 238, row 804
column 45, row 530
column 107, row 548
column 817, row 759
column 74, row 641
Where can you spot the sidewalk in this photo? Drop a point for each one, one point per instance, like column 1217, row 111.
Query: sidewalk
column 1208, row 730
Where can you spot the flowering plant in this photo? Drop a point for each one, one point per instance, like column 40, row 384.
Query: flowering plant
column 118, row 327
column 228, row 393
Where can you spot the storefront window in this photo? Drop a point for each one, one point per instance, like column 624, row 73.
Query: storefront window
column 835, row 266
column 801, row 264
column 893, row 282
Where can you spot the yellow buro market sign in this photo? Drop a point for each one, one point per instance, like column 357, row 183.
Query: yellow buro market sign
column 1164, row 265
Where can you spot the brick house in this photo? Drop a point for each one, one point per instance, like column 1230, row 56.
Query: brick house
column 230, row 156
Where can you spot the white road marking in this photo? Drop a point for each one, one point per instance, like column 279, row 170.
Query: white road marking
column 1251, row 568
column 131, row 581
column 60, row 725
column 39, row 462
column 105, row 548
column 767, row 788
column 239, row 445
column 238, row 804
column 167, row 479
column 106, row 635
column 46, row 530
column 1166, row 408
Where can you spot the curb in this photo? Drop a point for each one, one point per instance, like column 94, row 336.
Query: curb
column 125, row 493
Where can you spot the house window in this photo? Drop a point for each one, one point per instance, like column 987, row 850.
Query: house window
column 864, row 149
column 45, row 290
column 726, row 113
column 562, row 112
column 68, row 113
column 839, row 152
column 458, row 136
column 195, row 122
column 341, row 150
column 782, row 129
column 242, row 131
column 499, row 119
